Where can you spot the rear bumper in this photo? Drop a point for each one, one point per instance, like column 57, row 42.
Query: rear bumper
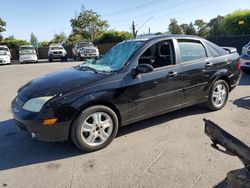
column 235, row 80
column 32, row 124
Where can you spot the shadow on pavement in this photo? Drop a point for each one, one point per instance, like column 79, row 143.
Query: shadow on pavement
column 245, row 79
column 243, row 102
column 17, row 150
column 222, row 184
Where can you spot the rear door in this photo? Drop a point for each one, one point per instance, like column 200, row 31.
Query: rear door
column 196, row 68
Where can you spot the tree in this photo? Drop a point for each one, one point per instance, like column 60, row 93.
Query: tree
column 202, row 29
column 113, row 36
column 59, row 38
column 90, row 22
column 33, row 40
column 232, row 22
column 188, row 29
column 174, row 28
column 158, row 33
column 217, row 27
column 12, row 42
column 44, row 44
column 76, row 37
column 2, row 28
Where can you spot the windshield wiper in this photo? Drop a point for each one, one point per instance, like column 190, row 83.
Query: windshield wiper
column 87, row 68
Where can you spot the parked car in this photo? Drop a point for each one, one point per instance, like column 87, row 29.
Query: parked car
column 27, row 47
column 5, row 49
column 135, row 80
column 85, row 50
column 57, row 51
column 245, row 58
column 4, row 57
column 27, row 56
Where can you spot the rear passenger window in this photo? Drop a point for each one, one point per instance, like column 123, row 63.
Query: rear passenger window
column 212, row 50
column 191, row 51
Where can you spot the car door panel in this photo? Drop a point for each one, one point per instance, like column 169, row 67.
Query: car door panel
column 154, row 92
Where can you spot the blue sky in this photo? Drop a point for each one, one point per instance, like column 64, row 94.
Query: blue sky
column 46, row 17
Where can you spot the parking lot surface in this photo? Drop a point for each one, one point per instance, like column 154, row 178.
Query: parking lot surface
column 170, row 150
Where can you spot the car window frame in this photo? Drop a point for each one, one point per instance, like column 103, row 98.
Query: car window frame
column 148, row 45
column 194, row 41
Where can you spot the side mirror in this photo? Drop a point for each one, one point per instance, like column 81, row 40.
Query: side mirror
column 142, row 68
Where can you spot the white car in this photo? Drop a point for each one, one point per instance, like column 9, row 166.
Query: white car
column 57, row 51
column 27, row 56
column 85, row 50
column 5, row 49
column 245, row 58
column 4, row 57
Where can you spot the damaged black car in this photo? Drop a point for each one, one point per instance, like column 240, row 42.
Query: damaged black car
column 135, row 80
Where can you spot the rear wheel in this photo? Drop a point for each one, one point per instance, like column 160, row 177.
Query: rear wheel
column 95, row 128
column 218, row 95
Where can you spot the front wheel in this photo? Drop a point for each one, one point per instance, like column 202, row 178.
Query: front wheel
column 95, row 128
column 218, row 95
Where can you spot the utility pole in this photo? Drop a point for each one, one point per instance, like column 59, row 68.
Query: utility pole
column 133, row 29
column 149, row 31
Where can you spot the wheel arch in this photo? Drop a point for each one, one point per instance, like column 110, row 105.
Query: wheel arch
column 95, row 103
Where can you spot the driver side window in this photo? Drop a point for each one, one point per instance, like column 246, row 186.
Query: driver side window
column 158, row 55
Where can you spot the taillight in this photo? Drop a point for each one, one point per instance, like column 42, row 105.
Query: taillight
column 238, row 64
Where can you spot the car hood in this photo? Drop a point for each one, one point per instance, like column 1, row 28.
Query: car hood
column 247, row 46
column 59, row 82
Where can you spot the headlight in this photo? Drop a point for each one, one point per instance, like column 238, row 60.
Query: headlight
column 244, row 50
column 36, row 104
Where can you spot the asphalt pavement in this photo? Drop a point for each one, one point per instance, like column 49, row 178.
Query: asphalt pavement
column 170, row 150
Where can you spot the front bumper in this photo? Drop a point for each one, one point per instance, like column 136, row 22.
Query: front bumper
column 245, row 63
column 89, row 55
column 57, row 56
column 4, row 61
column 28, row 60
column 31, row 123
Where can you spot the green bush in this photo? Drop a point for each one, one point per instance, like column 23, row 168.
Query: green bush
column 231, row 22
column 13, row 43
column 113, row 36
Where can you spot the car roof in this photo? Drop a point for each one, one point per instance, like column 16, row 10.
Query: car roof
column 26, row 46
column 55, row 45
column 84, row 42
column 155, row 37
column 4, row 46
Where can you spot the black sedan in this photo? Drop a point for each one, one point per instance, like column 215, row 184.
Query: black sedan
column 134, row 80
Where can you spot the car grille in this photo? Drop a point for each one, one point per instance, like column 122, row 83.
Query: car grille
column 90, row 51
column 19, row 102
column 248, row 52
column 58, row 52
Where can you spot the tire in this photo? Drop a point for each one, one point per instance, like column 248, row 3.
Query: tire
column 246, row 71
column 218, row 95
column 78, row 58
column 50, row 60
column 97, row 134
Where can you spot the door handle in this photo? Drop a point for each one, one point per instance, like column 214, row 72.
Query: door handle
column 172, row 74
column 208, row 64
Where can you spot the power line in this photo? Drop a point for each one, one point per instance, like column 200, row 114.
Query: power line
column 151, row 12
column 140, row 6
column 176, row 12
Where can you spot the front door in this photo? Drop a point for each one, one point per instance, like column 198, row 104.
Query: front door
column 158, row 91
